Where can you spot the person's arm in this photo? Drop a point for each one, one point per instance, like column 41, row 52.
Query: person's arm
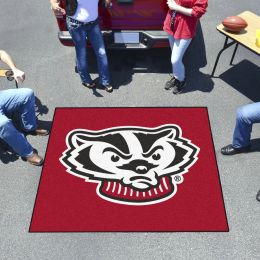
column 180, row 9
column 198, row 9
column 19, row 75
column 55, row 6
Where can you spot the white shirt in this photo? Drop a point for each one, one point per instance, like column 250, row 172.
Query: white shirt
column 87, row 11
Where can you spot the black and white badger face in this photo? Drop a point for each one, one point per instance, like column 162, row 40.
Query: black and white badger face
column 135, row 157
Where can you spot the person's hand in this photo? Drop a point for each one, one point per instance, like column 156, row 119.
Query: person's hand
column 172, row 5
column 108, row 3
column 57, row 9
column 18, row 75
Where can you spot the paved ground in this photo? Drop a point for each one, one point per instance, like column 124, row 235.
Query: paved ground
column 29, row 32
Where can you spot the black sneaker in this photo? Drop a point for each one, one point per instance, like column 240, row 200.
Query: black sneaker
column 170, row 84
column 178, row 86
column 231, row 150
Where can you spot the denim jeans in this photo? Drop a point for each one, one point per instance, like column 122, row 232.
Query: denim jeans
column 19, row 102
column 80, row 33
column 179, row 47
column 246, row 116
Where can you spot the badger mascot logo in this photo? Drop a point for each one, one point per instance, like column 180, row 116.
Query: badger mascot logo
column 133, row 165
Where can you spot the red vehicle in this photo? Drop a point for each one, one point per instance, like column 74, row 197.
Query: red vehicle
column 135, row 24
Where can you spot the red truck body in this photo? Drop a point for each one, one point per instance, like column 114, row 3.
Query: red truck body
column 131, row 24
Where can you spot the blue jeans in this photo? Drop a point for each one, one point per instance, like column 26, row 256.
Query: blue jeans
column 80, row 33
column 246, row 116
column 179, row 47
column 19, row 102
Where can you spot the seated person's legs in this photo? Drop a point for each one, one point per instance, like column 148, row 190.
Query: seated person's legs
column 20, row 102
column 15, row 139
column 246, row 116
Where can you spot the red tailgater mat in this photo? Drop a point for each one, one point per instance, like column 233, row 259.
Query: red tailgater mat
column 130, row 169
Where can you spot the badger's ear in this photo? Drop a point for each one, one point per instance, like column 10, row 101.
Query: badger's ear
column 169, row 132
column 76, row 139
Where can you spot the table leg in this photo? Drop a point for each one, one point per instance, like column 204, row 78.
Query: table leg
column 234, row 53
column 226, row 45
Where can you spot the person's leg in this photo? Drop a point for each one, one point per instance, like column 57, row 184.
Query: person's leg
column 97, row 42
column 20, row 101
column 78, row 34
column 170, row 83
column 178, row 47
column 246, row 116
column 178, row 50
column 171, row 40
column 15, row 139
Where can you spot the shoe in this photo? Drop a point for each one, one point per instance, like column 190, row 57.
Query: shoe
column 108, row 88
column 230, row 150
column 258, row 196
column 89, row 85
column 34, row 159
column 170, row 84
column 178, row 86
column 40, row 132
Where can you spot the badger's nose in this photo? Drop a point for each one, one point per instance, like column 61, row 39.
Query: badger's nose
column 141, row 169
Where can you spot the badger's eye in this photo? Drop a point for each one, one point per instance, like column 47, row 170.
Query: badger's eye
column 115, row 158
column 156, row 156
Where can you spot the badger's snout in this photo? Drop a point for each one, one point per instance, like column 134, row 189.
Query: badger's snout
column 141, row 169
column 138, row 166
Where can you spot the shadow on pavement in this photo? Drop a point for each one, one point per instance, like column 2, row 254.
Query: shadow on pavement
column 244, row 77
column 255, row 145
column 194, row 59
column 6, row 154
column 40, row 109
column 124, row 63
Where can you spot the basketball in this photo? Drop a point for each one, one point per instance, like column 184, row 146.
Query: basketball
column 234, row 23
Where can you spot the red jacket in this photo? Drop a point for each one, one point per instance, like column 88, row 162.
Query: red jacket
column 185, row 26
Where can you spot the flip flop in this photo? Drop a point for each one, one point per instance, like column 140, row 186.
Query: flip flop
column 108, row 88
column 89, row 85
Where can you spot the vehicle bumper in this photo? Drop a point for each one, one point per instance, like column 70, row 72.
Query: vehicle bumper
column 147, row 40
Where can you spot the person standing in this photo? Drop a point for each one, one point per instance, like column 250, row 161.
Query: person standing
column 21, row 103
column 83, row 24
column 180, row 24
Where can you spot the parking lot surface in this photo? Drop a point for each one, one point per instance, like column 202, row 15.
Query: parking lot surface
column 29, row 33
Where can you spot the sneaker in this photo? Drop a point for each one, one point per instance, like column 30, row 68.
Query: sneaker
column 178, row 86
column 170, row 84
column 40, row 132
column 231, row 150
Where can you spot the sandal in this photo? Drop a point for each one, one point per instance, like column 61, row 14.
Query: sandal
column 108, row 88
column 89, row 85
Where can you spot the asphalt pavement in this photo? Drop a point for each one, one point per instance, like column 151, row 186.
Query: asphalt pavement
column 28, row 31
